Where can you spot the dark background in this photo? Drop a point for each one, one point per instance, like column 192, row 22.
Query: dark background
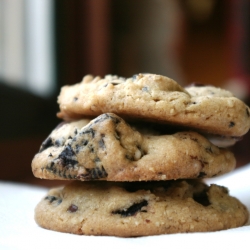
column 101, row 37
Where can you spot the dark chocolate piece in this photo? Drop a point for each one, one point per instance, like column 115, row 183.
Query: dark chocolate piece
column 72, row 208
column 248, row 114
column 67, row 156
column 89, row 131
column 115, row 83
column 46, row 144
column 202, row 198
column 201, row 175
column 94, row 173
column 231, row 124
column 58, row 143
column 51, row 199
column 101, row 142
column 132, row 210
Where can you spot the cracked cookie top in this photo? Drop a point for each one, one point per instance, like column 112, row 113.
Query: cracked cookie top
column 108, row 148
column 159, row 99
column 140, row 208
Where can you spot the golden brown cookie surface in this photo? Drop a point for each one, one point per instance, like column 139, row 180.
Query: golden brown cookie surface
column 108, row 148
column 139, row 208
column 159, row 99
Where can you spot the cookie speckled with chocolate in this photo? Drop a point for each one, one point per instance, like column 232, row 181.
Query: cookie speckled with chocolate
column 159, row 99
column 139, row 208
column 108, row 148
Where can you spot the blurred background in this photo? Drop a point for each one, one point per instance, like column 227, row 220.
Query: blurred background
column 45, row 44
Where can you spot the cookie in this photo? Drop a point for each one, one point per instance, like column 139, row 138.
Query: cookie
column 139, row 208
column 149, row 128
column 159, row 99
column 109, row 149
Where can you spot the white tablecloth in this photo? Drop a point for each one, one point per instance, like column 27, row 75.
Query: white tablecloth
column 18, row 229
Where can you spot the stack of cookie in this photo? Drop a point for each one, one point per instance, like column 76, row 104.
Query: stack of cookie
column 136, row 151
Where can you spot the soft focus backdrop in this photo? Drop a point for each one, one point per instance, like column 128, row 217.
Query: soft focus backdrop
column 45, row 44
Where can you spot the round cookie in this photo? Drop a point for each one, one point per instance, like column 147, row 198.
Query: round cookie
column 139, row 208
column 159, row 99
column 109, row 149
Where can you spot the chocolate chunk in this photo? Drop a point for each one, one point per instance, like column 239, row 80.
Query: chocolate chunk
column 97, row 159
column 89, row 131
column 202, row 198
column 201, row 175
column 194, row 139
column 91, row 148
column 129, row 157
column 75, row 99
column 51, row 166
column 117, row 135
column 51, row 199
column 101, row 143
column 209, row 150
column 116, row 120
column 134, row 77
column 194, row 157
column 72, row 208
column 85, row 142
column 98, row 173
column 231, row 124
column 101, row 118
column 93, row 173
column 58, row 142
column 46, row 144
column 77, row 148
column 132, row 210
column 59, row 171
column 104, row 117
column 115, row 83
column 248, row 114
column 67, row 156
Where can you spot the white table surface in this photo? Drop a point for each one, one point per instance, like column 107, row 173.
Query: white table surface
column 18, row 229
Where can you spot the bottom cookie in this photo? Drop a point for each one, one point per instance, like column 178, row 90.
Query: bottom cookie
column 139, row 208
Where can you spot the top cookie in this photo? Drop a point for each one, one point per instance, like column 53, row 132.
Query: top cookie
column 159, row 99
